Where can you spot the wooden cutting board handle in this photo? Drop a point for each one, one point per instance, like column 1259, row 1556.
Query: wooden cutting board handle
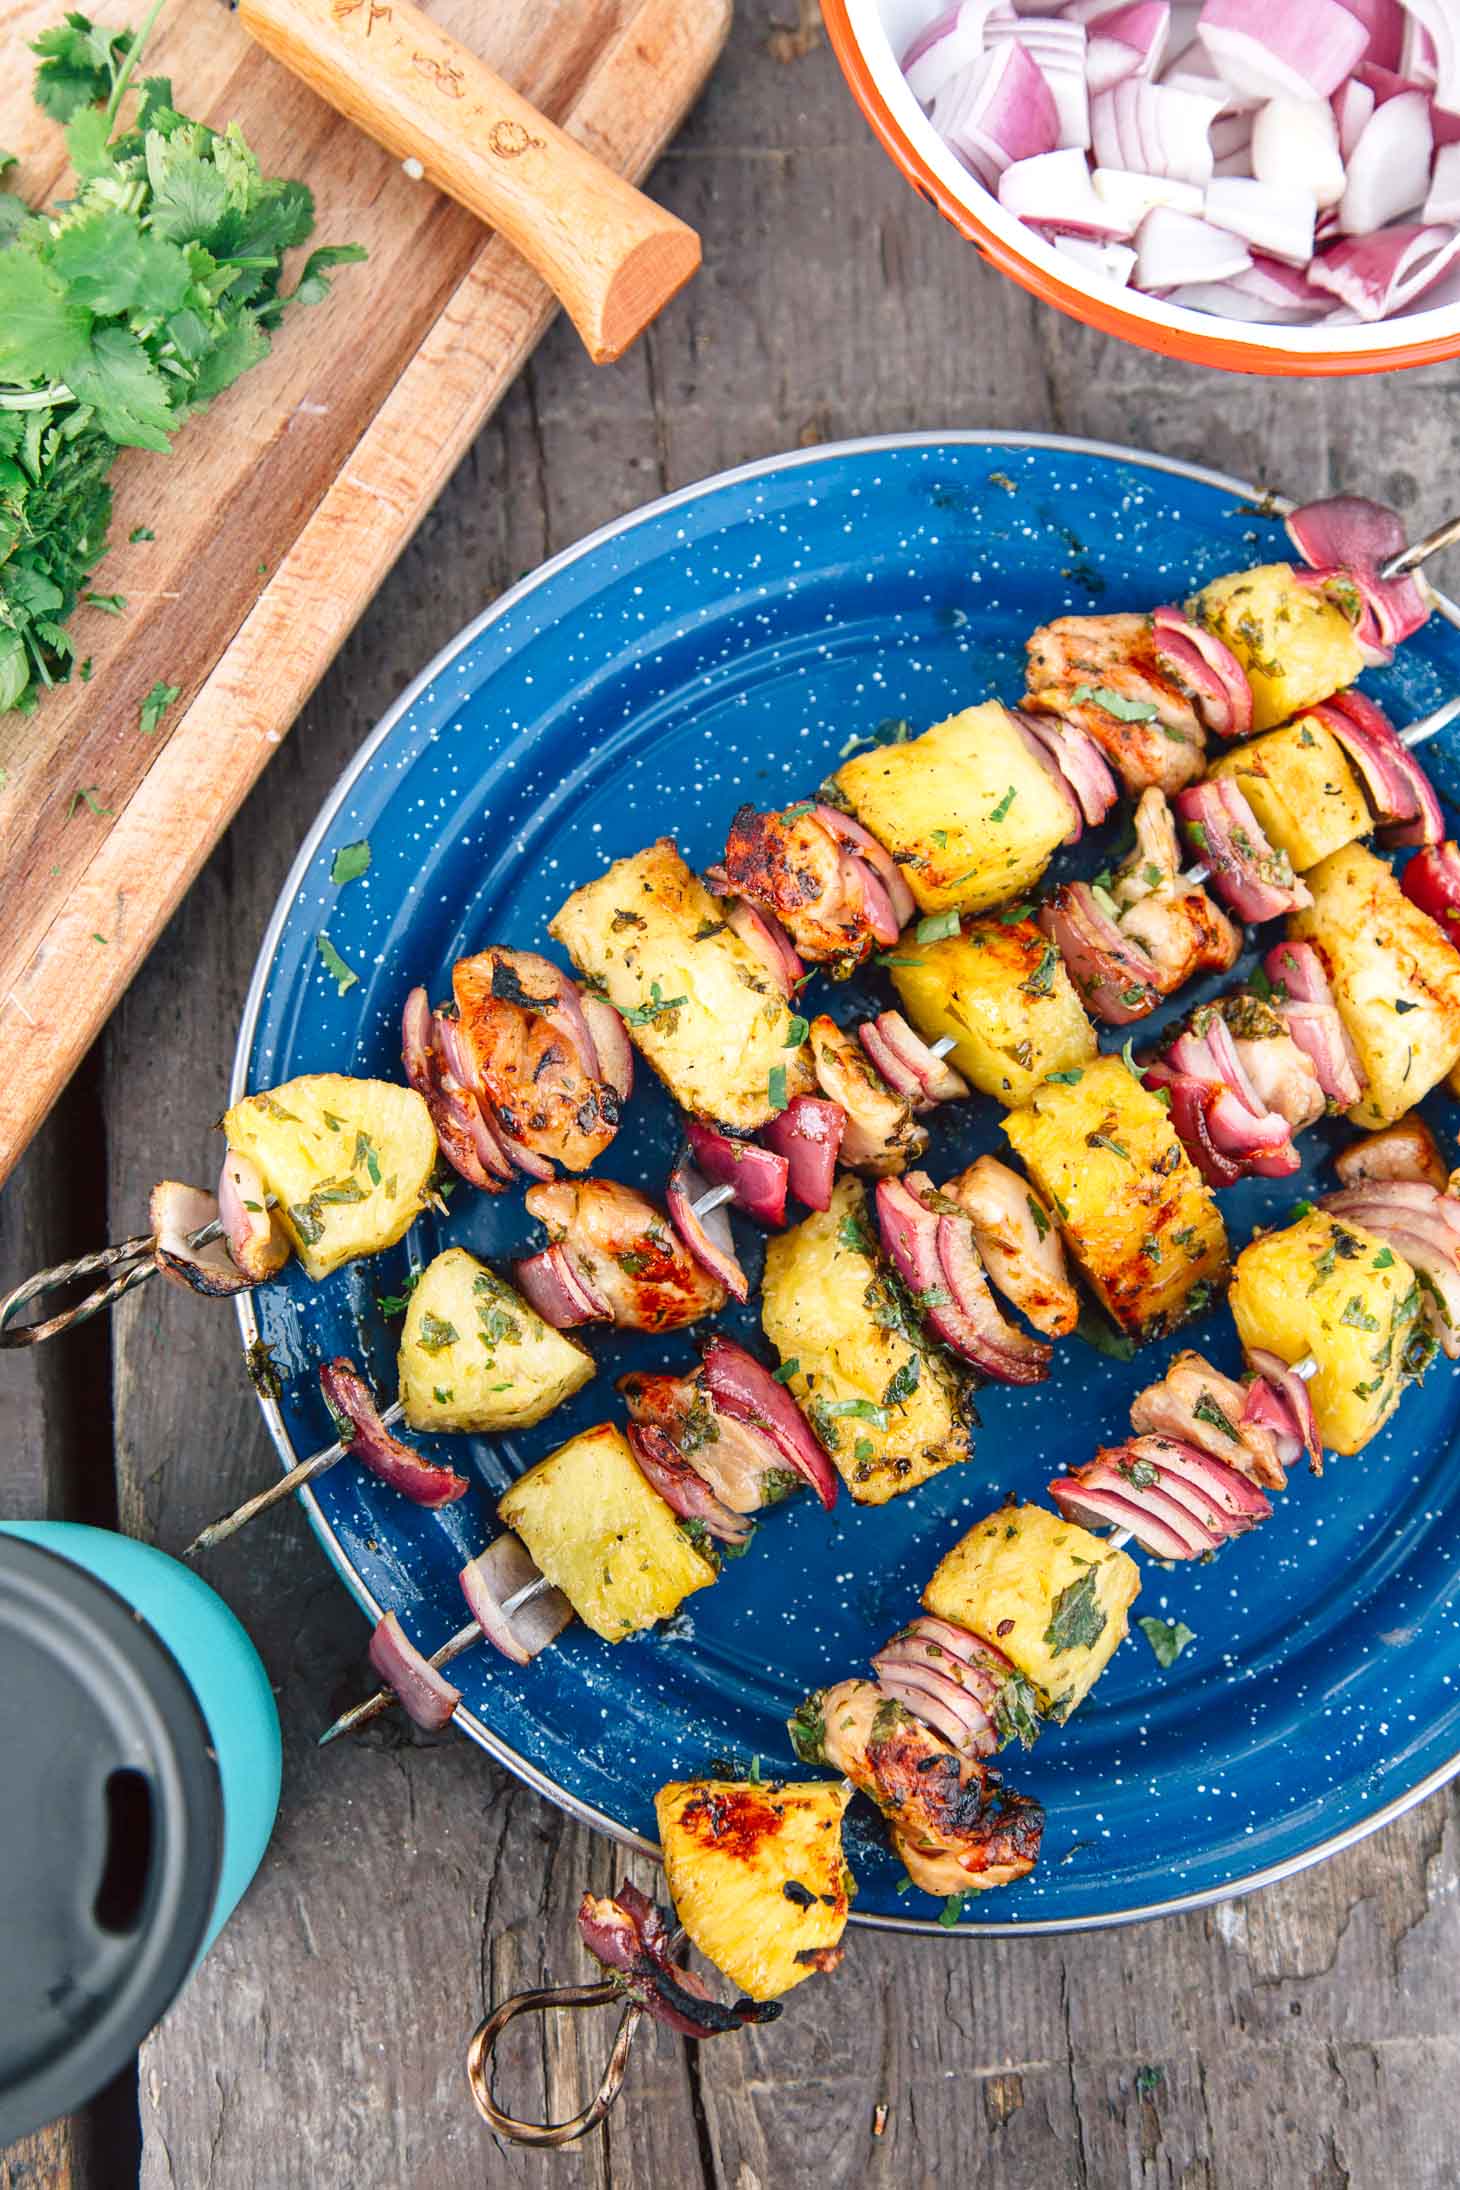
column 610, row 255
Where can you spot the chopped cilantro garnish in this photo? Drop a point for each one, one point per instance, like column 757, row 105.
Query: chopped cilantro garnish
column 797, row 1030
column 1004, row 803
column 1114, row 703
column 343, row 976
column 350, row 861
column 937, row 927
column 156, row 704
column 1167, row 1638
column 775, row 1088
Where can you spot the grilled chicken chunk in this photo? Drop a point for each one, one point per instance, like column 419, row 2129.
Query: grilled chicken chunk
column 629, row 1253
column 728, row 1455
column 523, row 1026
column 1020, row 1244
column 1404, row 1151
column 1098, row 671
column 882, row 1136
column 1199, row 1406
column 1282, row 1077
column 955, row 1831
column 789, row 864
column 1178, row 926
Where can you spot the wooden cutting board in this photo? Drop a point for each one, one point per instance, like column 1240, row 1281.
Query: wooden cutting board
column 282, row 507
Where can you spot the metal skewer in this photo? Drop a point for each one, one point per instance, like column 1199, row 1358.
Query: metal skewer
column 217, row 1532
column 134, row 1260
column 1428, row 725
column 350, row 1721
column 1419, row 551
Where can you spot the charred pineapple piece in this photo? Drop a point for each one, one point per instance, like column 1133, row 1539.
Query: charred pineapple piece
column 347, row 1162
column 1300, row 786
column 1000, row 989
column 887, row 1406
column 757, row 1876
column 1132, row 1207
column 1052, row 1597
column 967, row 810
column 694, row 996
column 1295, row 645
column 603, row 1536
column 1395, row 978
column 1338, row 1293
column 475, row 1357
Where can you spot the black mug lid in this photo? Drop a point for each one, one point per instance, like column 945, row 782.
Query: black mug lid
column 111, row 1833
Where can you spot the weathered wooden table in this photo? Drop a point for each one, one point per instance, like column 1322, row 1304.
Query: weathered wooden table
column 1308, row 2036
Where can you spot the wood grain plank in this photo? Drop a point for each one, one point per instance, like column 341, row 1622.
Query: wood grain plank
column 1303, row 2040
column 275, row 526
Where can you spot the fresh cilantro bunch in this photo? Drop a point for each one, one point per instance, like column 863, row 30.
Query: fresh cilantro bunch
column 122, row 312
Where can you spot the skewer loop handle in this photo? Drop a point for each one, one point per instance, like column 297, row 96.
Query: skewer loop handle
column 484, row 2040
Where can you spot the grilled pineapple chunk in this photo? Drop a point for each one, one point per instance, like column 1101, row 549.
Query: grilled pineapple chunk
column 1296, row 646
column 757, row 1875
column 603, row 1535
column 967, row 810
column 1395, row 978
column 888, row 1409
column 697, row 1000
column 1134, row 1211
column 1340, row 1294
column 1043, row 1590
column 347, row 1161
column 475, row 1356
column 1001, row 990
column 1300, row 786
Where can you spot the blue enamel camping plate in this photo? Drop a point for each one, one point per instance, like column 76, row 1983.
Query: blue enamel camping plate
column 734, row 642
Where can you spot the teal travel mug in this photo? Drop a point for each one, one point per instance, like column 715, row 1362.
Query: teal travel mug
column 137, row 1795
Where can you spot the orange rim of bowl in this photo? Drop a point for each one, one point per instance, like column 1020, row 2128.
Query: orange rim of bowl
column 1224, row 352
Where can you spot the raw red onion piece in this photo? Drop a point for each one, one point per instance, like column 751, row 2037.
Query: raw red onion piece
column 424, row 1695
column 936, row 1079
column 949, row 44
column 770, row 942
column 1389, row 168
column 849, row 832
column 758, row 1176
column 1112, row 261
column 1353, row 103
column 743, row 1389
column 1000, row 109
column 808, row 1133
column 1127, row 41
column 1432, row 882
column 1173, row 249
column 932, row 1694
column 1055, row 192
column 1432, row 40
column 1295, row 146
column 683, row 1489
column 495, row 1576
column 1079, row 760
column 936, row 1257
column 1059, row 48
column 1273, row 49
column 561, row 1293
column 1384, row 21
column 631, row 1938
column 1114, row 976
column 1149, row 129
column 1253, row 880
column 708, row 1237
column 1291, row 1390
column 1442, row 206
column 1265, row 218
column 357, row 1418
column 1380, row 274
column 611, row 1045
column 1133, row 196
column 174, row 1213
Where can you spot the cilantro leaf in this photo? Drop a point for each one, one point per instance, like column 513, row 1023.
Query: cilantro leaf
column 343, row 976
column 350, row 861
column 156, row 704
column 1167, row 1638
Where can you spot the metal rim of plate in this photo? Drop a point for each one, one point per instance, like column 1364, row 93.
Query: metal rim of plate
column 520, row 1766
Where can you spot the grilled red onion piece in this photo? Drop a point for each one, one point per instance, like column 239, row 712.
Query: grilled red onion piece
column 257, row 1241
column 630, row 1937
column 1236, row 1124
column 899, row 1076
column 1219, row 1495
column 1360, row 537
column 561, row 1293
column 747, row 1392
column 1190, row 1099
column 682, row 1488
column 1347, row 594
column 808, row 1133
column 1304, row 1003
column 422, row 1692
column 1404, row 800
column 1253, row 880
column 498, row 1574
column 708, row 1238
column 847, row 831
column 931, row 1689
column 1093, row 1503
column 611, row 1044
column 936, row 1257
column 1045, row 751
column 176, row 1211
column 934, row 1080
column 1114, row 975
column 1432, row 882
column 1079, row 760
column 1288, row 1392
column 1423, row 1226
column 1223, row 664
column 770, row 942
column 357, row 1418
column 462, row 1132
column 758, row 1175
